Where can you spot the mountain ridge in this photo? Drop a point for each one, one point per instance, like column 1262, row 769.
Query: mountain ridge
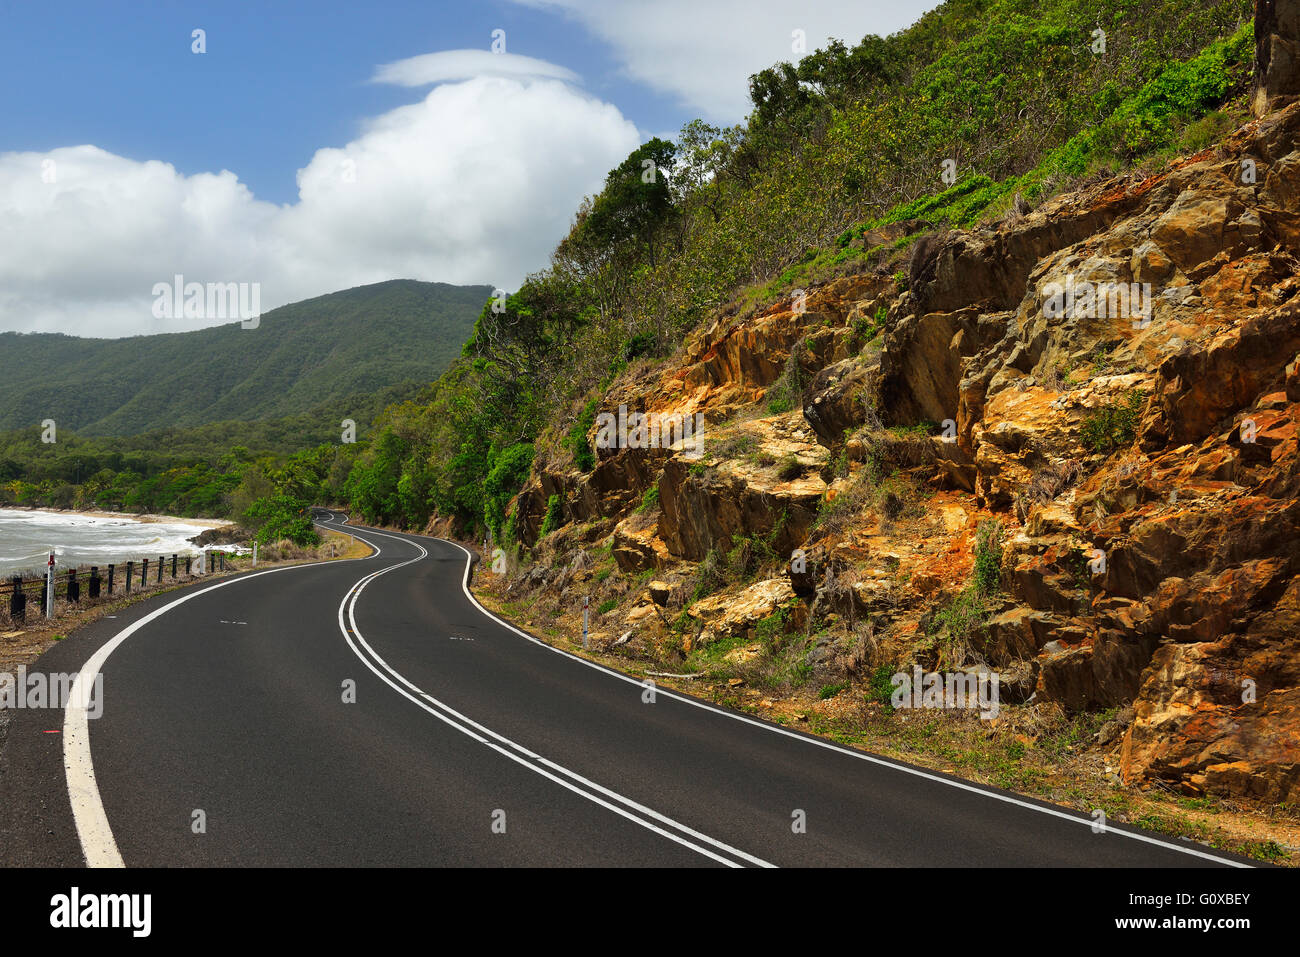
column 299, row 357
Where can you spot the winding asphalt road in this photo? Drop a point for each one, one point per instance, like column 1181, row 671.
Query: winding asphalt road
column 229, row 737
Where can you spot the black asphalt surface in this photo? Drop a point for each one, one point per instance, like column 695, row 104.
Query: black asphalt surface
column 468, row 744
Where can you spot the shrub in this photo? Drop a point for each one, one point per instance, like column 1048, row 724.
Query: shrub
column 837, row 512
column 510, row 531
column 709, row 576
column 988, row 556
column 769, row 631
column 890, row 504
column 506, row 476
column 747, row 556
column 867, row 327
column 607, row 606
column 554, row 516
column 955, row 623
column 641, row 344
column 786, row 393
column 583, row 456
column 919, row 430
column 1113, row 425
column 1046, row 483
column 880, row 687
column 1076, row 562
column 733, row 446
column 650, row 500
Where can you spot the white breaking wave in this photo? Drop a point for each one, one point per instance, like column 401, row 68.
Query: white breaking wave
column 27, row 537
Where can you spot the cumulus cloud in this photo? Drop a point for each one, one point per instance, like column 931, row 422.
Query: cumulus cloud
column 703, row 51
column 473, row 184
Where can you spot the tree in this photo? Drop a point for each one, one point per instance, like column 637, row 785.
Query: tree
column 279, row 517
column 703, row 152
column 636, row 200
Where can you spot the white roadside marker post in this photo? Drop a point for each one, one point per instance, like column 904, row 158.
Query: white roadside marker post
column 49, row 586
column 254, row 553
column 585, row 602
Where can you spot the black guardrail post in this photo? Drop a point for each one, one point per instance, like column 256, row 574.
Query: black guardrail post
column 17, row 601
column 110, row 580
column 94, row 582
column 161, row 559
column 173, row 564
column 130, row 568
column 74, row 587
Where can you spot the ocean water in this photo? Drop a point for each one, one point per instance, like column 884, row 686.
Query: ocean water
column 26, row 539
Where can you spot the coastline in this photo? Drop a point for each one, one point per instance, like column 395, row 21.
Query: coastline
column 145, row 518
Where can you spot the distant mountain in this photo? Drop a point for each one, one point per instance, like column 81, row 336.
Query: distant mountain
column 301, row 357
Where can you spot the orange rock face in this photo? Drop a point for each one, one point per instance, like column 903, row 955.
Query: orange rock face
column 1141, row 453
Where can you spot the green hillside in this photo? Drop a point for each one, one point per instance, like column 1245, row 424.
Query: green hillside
column 980, row 111
column 301, row 356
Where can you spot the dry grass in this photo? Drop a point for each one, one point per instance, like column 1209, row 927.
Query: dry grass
column 1047, row 483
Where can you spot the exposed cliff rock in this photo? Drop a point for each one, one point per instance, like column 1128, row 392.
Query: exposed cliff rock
column 1277, row 54
column 1115, row 377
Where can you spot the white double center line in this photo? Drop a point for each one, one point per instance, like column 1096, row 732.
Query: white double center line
column 611, row 800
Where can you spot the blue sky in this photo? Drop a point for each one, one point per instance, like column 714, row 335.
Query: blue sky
column 281, row 156
column 279, row 79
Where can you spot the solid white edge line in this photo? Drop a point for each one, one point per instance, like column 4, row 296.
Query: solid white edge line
column 98, row 845
column 350, row 601
column 828, row 745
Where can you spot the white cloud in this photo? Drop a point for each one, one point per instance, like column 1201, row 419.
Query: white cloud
column 473, row 184
column 464, row 64
column 703, row 52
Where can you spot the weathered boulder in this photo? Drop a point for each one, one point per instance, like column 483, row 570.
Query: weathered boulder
column 835, row 400
column 1198, row 386
column 729, row 615
column 636, row 547
column 707, row 504
column 1192, row 230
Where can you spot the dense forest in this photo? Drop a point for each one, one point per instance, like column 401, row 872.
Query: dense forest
column 188, row 472
column 229, row 415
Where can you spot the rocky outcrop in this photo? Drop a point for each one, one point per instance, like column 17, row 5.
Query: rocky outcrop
column 731, row 616
column 729, row 363
column 834, row 402
column 1277, row 55
column 1194, row 526
column 773, row 492
column 1136, row 438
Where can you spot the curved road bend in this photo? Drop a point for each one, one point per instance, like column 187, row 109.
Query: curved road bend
column 468, row 743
